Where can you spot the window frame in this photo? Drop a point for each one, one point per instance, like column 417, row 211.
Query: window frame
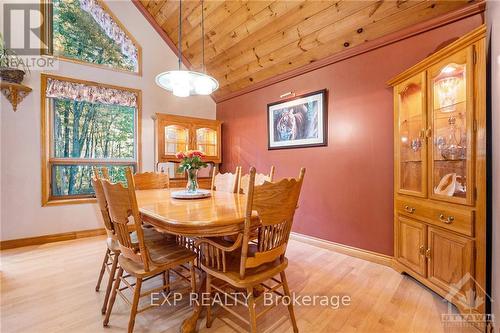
column 47, row 47
column 48, row 145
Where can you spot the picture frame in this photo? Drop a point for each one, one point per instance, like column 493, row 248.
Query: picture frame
column 298, row 122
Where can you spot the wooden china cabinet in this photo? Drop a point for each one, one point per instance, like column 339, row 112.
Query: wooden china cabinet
column 178, row 133
column 440, row 172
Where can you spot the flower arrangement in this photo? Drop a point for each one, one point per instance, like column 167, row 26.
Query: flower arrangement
column 191, row 162
column 192, row 159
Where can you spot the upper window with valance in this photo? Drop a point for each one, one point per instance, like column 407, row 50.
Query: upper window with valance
column 86, row 31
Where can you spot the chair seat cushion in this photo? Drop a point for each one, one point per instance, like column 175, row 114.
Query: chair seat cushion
column 164, row 253
column 253, row 275
column 149, row 233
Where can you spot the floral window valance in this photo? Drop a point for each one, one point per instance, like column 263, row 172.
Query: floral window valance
column 88, row 93
column 111, row 28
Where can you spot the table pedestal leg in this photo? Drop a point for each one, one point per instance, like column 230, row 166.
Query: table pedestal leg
column 189, row 324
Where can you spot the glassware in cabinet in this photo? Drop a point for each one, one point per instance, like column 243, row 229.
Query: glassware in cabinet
column 206, row 140
column 177, row 139
column 451, row 116
column 411, row 145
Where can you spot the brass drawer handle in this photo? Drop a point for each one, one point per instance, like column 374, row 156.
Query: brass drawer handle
column 428, row 253
column 447, row 220
column 421, row 250
column 409, row 209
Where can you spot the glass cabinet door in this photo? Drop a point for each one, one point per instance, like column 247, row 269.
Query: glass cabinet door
column 206, row 140
column 451, row 117
column 176, row 139
column 410, row 138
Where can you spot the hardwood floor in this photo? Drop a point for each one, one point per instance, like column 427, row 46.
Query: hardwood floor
column 50, row 288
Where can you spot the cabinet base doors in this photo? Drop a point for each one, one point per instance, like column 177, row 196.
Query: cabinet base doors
column 450, row 264
column 411, row 244
column 444, row 258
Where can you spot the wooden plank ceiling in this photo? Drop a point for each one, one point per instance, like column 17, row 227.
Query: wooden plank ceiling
column 250, row 41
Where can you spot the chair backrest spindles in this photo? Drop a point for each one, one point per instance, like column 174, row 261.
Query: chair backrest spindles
column 275, row 204
column 122, row 204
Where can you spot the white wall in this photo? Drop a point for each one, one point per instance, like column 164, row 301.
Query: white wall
column 493, row 20
column 20, row 211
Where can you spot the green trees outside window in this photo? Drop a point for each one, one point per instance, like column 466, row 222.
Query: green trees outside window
column 76, row 35
column 87, row 134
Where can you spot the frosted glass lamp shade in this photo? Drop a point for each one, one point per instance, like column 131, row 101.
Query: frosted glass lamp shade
column 186, row 83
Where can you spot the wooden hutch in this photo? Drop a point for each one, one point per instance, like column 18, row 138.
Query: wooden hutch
column 178, row 133
column 440, row 172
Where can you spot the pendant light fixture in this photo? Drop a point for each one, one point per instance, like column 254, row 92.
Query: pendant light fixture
column 183, row 83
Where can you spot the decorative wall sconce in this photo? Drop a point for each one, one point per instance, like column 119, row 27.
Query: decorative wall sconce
column 14, row 92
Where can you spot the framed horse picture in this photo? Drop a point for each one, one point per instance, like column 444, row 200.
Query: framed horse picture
column 298, row 122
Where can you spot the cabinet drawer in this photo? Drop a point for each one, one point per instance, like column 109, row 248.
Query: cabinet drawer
column 458, row 220
column 413, row 209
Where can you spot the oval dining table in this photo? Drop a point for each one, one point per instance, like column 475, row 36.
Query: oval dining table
column 221, row 214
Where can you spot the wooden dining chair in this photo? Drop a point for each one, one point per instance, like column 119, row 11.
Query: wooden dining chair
column 250, row 266
column 150, row 254
column 112, row 247
column 152, row 180
column 260, row 178
column 226, row 182
column 160, row 180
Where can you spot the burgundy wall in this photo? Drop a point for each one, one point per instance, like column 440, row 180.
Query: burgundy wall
column 348, row 187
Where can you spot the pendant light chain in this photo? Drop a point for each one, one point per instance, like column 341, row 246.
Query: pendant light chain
column 180, row 35
column 185, row 82
column 203, row 38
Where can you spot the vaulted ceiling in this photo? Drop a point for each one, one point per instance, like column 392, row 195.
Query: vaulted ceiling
column 247, row 42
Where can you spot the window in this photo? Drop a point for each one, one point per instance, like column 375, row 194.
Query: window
column 86, row 124
column 86, row 31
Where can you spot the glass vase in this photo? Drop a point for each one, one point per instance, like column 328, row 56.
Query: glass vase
column 192, row 181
